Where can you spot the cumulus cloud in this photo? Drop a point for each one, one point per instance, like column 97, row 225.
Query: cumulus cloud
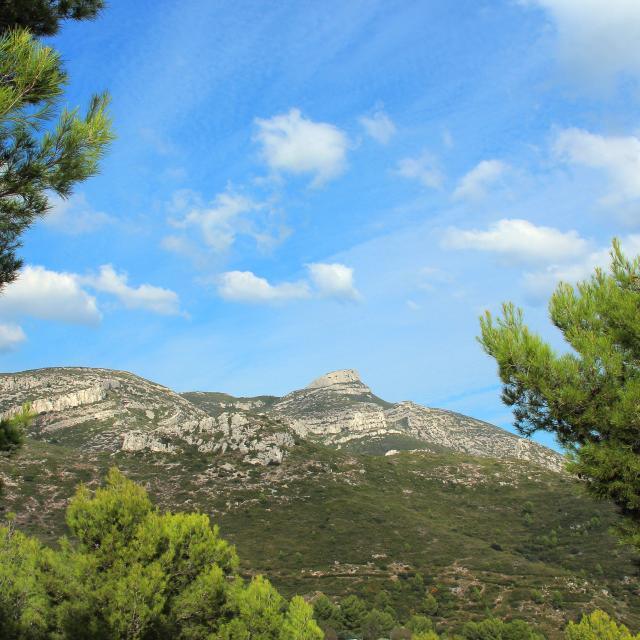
column 597, row 40
column 378, row 126
column 617, row 156
column 326, row 280
column 74, row 215
column 423, row 168
column 520, row 241
column 11, row 337
column 294, row 144
column 144, row 296
column 48, row 295
column 245, row 286
column 333, row 280
column 474, row 184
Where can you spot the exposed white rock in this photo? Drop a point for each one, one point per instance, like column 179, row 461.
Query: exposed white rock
column 344, row 376
column 139, row 441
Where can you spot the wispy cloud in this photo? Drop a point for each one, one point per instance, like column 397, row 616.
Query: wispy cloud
column 220, row 222
column 291, row 143
column 378, row 126
column 75, row 215
column 474, row 185
column 11, row 337
column 423, row 168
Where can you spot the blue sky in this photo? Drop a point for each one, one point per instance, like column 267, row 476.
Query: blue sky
column 299, row 187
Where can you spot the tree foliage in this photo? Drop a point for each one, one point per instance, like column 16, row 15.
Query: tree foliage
column 12, row 429
column 131, row 572
column 38, row 161
column 587, row 396
column 43, row 17
column 597, row 626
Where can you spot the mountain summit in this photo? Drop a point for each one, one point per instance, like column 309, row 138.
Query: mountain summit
column 341, row 377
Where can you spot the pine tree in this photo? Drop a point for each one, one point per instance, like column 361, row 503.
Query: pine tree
column 36, row 161
column 587, row 396
column 43, row 17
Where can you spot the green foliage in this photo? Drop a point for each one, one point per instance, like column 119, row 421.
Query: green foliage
column 353, row 611
column 43, row 17
column 377, row 624
column 136, row 573
column 430, row 604
column 36, row 162
column 24, row 605
column 494, row 629
column 597, row 626
column 299, row 623
column 587, row 397
column 419, row 624
column 12, row 429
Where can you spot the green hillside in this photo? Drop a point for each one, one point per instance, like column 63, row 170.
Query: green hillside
column 483, row 536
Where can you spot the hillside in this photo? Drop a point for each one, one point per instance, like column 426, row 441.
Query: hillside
column 482, row 533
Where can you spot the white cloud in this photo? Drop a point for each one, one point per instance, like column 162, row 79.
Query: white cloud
column 245, row 286
column 520, row 241
column 423, row 168
column 74, row 215
column 333, row 280
column 618, row 156
column 293, row 144
column 597, row 40
column 48, row 295
column 379, row 126
column 540, row 284
column 144, row 296
column 11, row 336
column 329, row 280
column 221, row 222
column 473, row 185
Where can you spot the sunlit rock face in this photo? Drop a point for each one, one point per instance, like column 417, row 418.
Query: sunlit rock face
column 339, row 409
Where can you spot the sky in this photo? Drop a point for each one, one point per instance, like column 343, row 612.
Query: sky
column 298, row 187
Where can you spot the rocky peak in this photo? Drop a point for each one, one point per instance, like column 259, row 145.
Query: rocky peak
column 342, row 377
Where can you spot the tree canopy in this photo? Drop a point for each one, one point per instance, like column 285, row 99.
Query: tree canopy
column 43, row 17
column 131, row 572
column 588, row 395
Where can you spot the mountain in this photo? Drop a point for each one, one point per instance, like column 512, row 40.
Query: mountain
column 301, row 486
column 339, row 410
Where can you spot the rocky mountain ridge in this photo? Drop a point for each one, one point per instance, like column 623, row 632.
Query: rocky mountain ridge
column 339, row 410
column 102, row 409
column 107, row 410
